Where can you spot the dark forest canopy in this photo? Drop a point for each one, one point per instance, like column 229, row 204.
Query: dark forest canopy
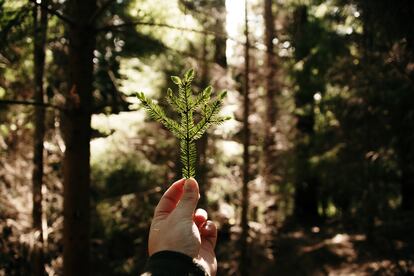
column 314, row 173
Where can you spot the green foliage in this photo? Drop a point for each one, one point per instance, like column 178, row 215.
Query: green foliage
column 185, row 103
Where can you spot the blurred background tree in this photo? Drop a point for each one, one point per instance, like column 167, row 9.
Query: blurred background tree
column 328, row 186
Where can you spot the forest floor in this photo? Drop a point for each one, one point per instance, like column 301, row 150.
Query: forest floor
column 330, row 250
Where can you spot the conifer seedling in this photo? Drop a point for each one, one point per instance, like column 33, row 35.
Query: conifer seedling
column 186, row 104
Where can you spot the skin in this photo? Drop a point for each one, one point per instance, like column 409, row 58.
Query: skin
column 178, row 226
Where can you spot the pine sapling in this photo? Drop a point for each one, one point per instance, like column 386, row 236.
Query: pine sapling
column 186, row 104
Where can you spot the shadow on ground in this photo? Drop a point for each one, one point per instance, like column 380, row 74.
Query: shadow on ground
column 330, row 250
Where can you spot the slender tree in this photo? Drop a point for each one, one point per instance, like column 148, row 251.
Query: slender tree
column 40, row 18
column 202, row 143
column 271, row 86
column 246, row 156
column 76, row 129
column 219, row 27
column 306, row 195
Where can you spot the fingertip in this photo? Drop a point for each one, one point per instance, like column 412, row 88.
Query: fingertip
column 189, row 199
column 177, row 185
column 200, row 217
column 179, row 182
column 211, row 226
column 190, row 185
column 209, row 229
column 201, row 213
column 209, row 233
column 191, row 191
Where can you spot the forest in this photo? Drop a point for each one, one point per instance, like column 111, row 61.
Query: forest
column 310, row 171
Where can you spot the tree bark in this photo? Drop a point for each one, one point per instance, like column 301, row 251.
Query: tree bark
column 407, row 190
column 269, row 150
column 405, row 151
column 220, row 40
column 218, row 26
column 40, row 30
column 203, row 141
column 76, row 131
column 271, row 86
column 244, row 260
column 306, row 188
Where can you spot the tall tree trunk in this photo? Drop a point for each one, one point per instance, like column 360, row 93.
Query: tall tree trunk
column 40, row 31
column 220, row 40
column 407, row 189
column 244, row 265
column 269, row 145
column 76, row 130
column 306, row 190
column 202, row 143
column 220, row 58
column 405, row 152
column 269, row 151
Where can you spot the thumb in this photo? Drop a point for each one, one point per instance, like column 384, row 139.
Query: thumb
column 189, row 200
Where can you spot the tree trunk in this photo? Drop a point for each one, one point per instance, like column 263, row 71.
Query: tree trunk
column 40, row 31
column 405, row 152
column 77, row 133
column 220, row 59
column 244, row 260
column 269, row 145
column 407, row 190
column 203, row 141
column 404, row 149
column 220, row 41
column 306, row 188
column 269, row 151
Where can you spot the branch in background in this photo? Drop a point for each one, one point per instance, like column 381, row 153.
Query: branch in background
column 115, row 102
column 13, row 22
column 101, row 108
column 190, row 6
column 17, row 102
column 193, row 56
column 101, row 10
column 163, row 25
column 143, row 23
column 186, row 54
column 54, row 12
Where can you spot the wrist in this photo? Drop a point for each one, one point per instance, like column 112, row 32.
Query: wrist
column 176, row 263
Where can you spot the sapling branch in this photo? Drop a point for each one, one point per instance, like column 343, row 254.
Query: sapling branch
column 185, row 103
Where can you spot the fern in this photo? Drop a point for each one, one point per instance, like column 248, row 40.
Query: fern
column 186, row 104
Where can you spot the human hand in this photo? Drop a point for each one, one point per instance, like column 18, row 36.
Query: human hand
column 176, row 227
